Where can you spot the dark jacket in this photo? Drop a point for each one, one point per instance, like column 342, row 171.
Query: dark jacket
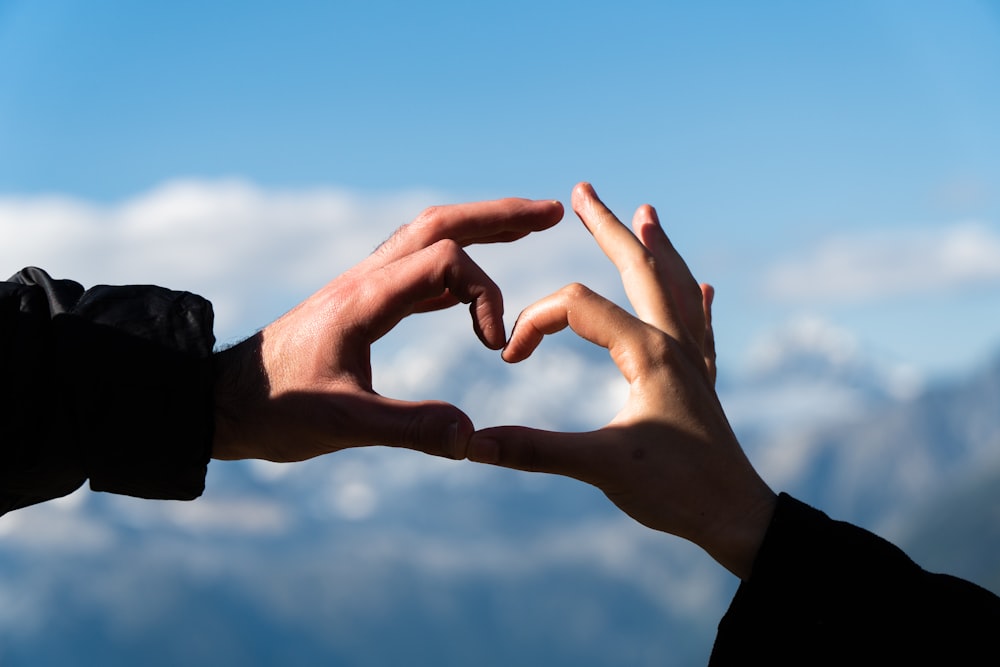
column 825, row 592
column 110, row 384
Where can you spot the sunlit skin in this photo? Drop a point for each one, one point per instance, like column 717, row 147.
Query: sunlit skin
column 302, row 387
column 669, row 458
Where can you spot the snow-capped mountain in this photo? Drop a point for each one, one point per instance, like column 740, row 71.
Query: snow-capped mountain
column 385, row 557
column 808, row 374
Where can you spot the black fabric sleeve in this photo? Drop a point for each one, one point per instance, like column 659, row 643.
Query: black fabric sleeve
column 110, row 384
column 825, row 592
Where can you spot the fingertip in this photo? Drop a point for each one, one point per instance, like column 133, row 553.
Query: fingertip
column 646, row 214
column 523, row 340
column 708, row 295
column 454, row 430
column 582, row 192
column 437, row 428
column 511, row 353
column 547, row 213
column 494, row 338
column 646, row 225
column 487, row 321
column 458, row 435
column 483, row 449
column 488, row 325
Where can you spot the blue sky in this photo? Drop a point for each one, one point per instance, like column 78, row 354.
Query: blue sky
column 833, row 168
column 796, row 151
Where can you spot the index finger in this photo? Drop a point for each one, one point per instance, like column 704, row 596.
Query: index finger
column 497, row 221
column 442, row 271
column 646, row 290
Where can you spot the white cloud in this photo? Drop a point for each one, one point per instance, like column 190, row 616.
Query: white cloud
column 230, row 241
column 58, row 526
column 255, row 252
column 878, row 265
column 213, row 514
column 805, row 334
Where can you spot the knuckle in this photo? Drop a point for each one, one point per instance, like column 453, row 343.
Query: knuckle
column 447, row 252
column 519, row 451
column 412, row 432
column 389, row 245
column 576, row 291
column 663, row 349
column 418, row 435
column 449, row 247
column 429, row 216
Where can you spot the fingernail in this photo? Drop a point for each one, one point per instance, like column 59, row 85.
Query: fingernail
column 483, row 450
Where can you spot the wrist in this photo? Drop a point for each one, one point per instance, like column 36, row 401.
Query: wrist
column 240, row 384
column 735, row 541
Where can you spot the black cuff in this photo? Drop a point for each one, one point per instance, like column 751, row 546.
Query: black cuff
column 825, row 592
column 136, row 364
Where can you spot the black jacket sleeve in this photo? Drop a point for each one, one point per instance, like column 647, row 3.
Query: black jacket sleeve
column 110, row 384
column 825, row 592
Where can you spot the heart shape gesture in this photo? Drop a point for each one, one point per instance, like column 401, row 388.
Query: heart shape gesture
column 669, row 458
column 302, row 386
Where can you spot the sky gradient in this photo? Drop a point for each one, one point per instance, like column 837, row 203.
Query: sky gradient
column 838, row 162
column 832, row 168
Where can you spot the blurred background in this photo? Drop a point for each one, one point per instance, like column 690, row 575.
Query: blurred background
column 833, row 169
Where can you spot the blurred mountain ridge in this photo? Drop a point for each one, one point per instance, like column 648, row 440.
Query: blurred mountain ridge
column 380, row 557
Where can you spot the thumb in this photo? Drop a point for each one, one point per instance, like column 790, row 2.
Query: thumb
column 534, row 450
column 432, row 427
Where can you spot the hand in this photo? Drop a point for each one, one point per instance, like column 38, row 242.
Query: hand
column 669, row 458
column 302, row 387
